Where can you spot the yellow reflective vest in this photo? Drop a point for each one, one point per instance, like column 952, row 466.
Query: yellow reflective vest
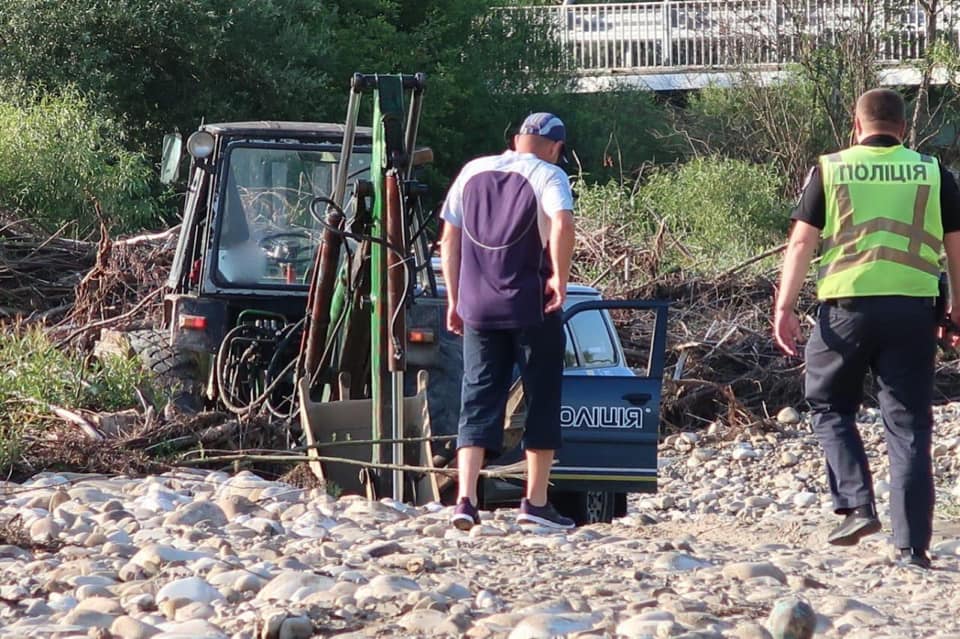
column 883, row 231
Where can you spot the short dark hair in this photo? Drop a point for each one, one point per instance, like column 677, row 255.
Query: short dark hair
column 881, row 106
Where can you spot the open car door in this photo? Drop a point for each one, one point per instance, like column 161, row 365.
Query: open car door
column 611, row 421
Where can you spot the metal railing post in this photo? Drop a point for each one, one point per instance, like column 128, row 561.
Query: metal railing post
column 666, row 54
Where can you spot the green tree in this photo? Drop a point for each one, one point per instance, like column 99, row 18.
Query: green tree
column 159, row 65
column 60, row 160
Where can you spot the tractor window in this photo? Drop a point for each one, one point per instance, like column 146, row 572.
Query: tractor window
column 267, row 236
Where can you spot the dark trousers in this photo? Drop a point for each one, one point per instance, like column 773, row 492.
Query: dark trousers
column 489, row 357
column 892, row 337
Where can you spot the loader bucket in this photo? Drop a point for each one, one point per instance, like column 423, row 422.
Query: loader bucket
column 330, row 427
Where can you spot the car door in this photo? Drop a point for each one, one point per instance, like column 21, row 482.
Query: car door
column 611, row 419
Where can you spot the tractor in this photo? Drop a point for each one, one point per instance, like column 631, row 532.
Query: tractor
column 304, row 286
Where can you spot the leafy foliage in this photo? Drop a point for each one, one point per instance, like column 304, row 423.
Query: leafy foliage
column 703, row 216
column 723, row 210
column 157, row 65
column 59, row 158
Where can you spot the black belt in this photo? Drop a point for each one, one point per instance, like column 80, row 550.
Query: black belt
column 848, row 303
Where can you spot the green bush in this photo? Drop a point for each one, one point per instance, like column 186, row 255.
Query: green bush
column 59, row 159
column 34, row 373
column 722, row 210
column 704, row 216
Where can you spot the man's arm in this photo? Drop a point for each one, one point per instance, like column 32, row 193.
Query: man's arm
column 562, row 239
column 450, row 265
column 951, row 246
column 804, row 239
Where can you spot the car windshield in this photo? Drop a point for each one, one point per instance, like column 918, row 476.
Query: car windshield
column 267, row 235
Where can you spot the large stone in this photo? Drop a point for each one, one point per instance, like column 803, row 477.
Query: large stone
column 195, row 513
column 101, row 604
column 749, row 570
column 88, row 619
column 294, row 585
column 386, row 586
column 44, row 529
column 127, row 627
column 421, row 622
column 193, row 629
column 158, row 555
column 193, row 589
column 679, row 562
column 792, row 618
column 296, row 628
column 638, row 627
column 545, row 625
column 788, row 416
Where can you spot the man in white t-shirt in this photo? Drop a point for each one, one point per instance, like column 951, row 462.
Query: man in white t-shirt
column 506, row 251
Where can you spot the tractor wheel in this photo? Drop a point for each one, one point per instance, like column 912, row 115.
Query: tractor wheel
column 587, row 507
column 175, row 373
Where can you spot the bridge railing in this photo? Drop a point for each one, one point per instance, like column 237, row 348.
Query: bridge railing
column 729, row 33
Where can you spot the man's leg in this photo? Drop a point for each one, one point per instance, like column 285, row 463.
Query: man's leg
column 469, row 463
column 541, row 368
column 905, row 372
column 837, row 358
column 538, row 475
column 487, row 366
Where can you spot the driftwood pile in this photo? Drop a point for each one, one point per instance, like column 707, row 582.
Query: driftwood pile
column 38, row 274
column 73, row 283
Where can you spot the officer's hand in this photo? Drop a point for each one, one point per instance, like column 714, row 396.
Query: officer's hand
column 786, row 330
column 556, row 295
column 948, row 332
column 454, row 321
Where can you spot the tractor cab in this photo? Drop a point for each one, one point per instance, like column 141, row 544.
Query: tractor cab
column 248, row 236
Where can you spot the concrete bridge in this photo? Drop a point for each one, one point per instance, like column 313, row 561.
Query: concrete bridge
column 676, row 45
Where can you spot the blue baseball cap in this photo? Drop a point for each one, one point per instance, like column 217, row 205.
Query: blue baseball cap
column 546, row 125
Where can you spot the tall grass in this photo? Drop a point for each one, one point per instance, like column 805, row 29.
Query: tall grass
column 35, row 374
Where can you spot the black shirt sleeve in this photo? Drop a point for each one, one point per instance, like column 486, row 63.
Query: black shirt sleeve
column 949, row 201
column 812, row 207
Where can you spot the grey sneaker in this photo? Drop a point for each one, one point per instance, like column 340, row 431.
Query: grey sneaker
column 545, row 515
column 465, row 515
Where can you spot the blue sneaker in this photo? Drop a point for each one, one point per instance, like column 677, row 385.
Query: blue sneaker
column 546, row 516
column 465, row 515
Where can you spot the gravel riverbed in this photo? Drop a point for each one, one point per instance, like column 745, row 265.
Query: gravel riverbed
column 737, row 530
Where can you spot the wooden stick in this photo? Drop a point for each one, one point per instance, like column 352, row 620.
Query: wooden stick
column 77, row 420
column 110, row 320
column 513, row 471
column 752, row 260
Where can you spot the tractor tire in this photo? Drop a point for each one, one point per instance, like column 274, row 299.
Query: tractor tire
column 175, row 373
column 586, row 507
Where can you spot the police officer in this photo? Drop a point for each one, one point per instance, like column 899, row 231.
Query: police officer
column 881, row 214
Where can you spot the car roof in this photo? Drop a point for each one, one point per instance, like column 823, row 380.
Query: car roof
column 273, row 127
column 582, row 290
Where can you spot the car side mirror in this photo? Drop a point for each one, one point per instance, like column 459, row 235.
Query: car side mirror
column 170, row 160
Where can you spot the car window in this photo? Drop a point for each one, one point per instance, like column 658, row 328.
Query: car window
column 569, row 355
column 592, row 338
